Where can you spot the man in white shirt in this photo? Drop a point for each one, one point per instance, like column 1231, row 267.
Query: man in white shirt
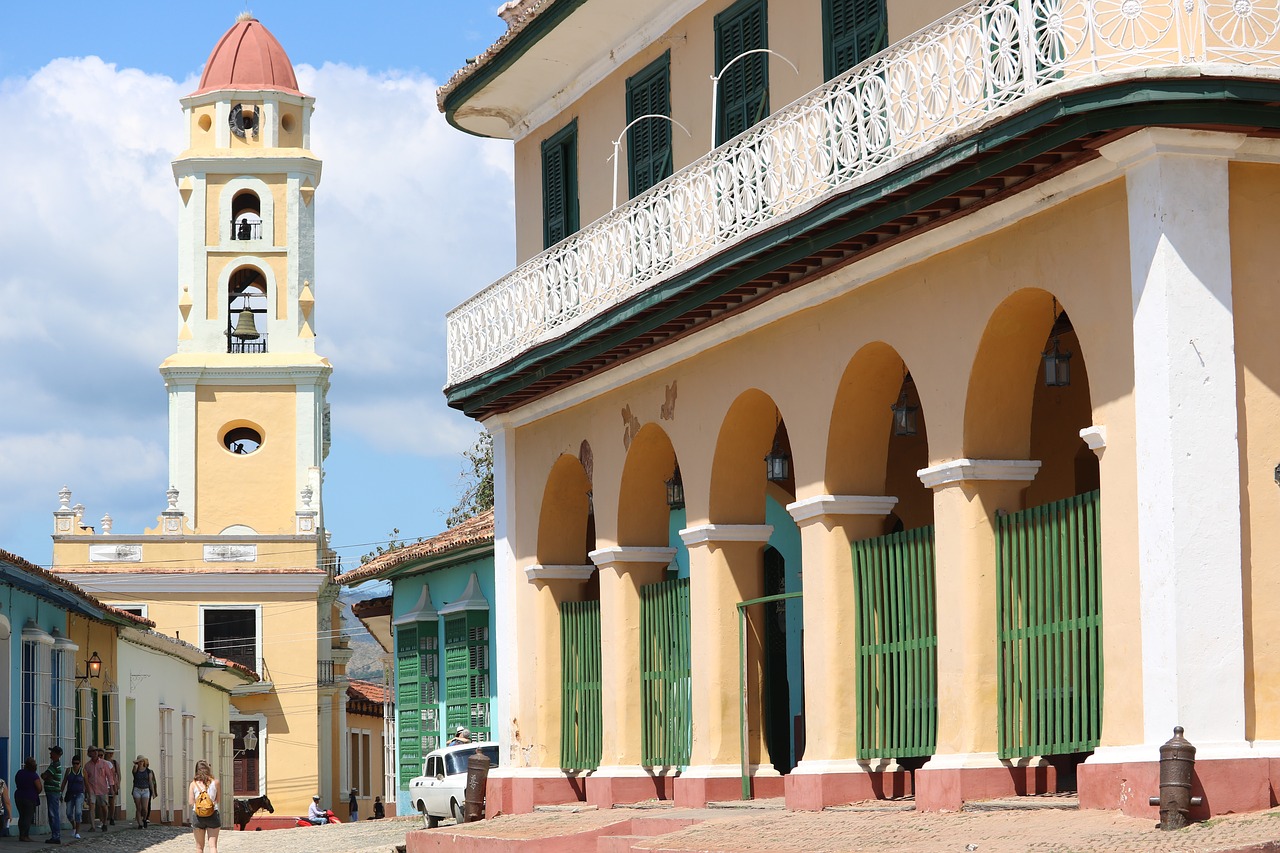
column 315, row 814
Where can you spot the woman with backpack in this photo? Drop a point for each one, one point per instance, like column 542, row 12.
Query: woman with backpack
column 202, row 795
column 73, row 793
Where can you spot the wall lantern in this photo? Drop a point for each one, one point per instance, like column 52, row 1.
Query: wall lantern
column 675, row 490
column 1057, row 363
column 777, row 462
column 250, row 740
column 92, row 670
column 904, row 414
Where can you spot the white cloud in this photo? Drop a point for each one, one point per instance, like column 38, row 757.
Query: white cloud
column 412, row 217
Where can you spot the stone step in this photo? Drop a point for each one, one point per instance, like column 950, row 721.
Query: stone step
column 1013, row 804
column 759, row 804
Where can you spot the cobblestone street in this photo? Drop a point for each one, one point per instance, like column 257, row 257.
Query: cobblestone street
column 370, row 836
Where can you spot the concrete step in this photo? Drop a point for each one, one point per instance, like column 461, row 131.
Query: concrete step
column 759, row 804
column 1014, row 804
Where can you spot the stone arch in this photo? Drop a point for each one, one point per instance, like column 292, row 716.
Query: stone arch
column 229, row 212
column 643, row 514
column 564, row 518
column 738, row 483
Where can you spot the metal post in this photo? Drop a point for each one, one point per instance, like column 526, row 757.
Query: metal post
column 617, row 142
column 715, row 83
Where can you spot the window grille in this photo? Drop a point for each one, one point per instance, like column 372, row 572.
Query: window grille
column 166, row 765
column 111, row 719
column 187, row 768
column 226, row 744
column 84, row 700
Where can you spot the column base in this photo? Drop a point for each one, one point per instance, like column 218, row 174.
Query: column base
column 698, row 786
column 946, row 784
column 1228, row 786
column 525, row 790
column 817, row 785
column 611, row 786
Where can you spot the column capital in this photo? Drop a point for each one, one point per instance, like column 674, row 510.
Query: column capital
column 538, row 572
column 820, row 506
column 705, row 534
column 1153, row 141
column 1095, row 438
column 965, row 470
column 627, row 554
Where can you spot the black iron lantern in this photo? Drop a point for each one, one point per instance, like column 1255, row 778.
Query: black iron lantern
column 93, row 668
column 675, row 490
column 1057, row 366
column 904, row 414
column 777, row 462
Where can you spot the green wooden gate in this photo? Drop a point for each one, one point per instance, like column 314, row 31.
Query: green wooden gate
column 1050, row 623
column 580, row 719
column 664, row 665
column 897, row 641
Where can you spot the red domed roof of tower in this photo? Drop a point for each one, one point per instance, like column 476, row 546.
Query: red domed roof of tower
column 248, row 57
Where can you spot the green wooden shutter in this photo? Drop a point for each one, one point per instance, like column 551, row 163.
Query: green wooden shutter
column 466, row 678
column 649, row 142
column 93, row 725
column 408, row 702
column 744, row 89
column 853, row 31
column 560, row 185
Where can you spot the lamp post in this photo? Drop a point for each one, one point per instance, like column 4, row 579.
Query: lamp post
column 715, row 84
column 617, row 142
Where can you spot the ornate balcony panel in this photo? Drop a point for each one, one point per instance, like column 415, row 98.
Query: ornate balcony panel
column 990, row 59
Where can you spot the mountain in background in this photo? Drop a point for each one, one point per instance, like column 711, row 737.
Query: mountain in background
column 366, row 657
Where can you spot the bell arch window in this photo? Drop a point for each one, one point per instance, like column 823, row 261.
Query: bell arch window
column 246, row 301
column 246, row 216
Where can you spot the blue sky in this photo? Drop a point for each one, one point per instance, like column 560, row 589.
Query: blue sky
column 412, row 217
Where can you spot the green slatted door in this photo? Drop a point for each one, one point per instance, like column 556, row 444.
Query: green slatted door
column 666, row 696
column 1049, row 607
column 466, row 655
column 581, row 723
column 408, row 703
column 560, row 185
column 853, row 31
column 649, row 141
column 897, row 642
column 744, row 89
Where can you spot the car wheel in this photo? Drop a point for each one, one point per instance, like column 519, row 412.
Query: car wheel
column 457, row 811
column 432, row 821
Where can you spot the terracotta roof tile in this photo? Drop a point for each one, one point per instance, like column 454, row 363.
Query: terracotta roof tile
column 477, row 529
column 517, row 19
column 367, row 690
column 44, row 574
column 371, row 607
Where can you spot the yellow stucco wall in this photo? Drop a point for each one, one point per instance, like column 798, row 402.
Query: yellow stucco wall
column 1255, row 257
column 935, row 314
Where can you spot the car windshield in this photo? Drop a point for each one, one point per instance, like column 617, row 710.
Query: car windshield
column 456, row 762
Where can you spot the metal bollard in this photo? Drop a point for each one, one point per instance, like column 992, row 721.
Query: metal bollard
column 1177, row 761
column 477, row 780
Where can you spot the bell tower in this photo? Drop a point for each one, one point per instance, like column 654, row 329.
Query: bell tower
column 248, row 422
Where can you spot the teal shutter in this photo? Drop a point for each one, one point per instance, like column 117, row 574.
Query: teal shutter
column 744, row 89
column 649, row 142
column 466, row 677
column 853, row 31
column 560, row 185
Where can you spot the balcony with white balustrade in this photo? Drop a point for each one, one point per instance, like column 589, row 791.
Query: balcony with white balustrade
column 985, row 102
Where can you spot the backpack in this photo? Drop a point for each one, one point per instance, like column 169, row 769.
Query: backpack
column 204, row 804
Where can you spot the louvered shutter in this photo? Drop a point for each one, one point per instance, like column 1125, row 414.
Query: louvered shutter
column 649, row 142
column 744, row 88
column 560, row 185
column 855, row 31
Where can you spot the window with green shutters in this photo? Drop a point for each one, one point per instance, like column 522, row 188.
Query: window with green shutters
column 744, row 89
column 853, row 31
column 560, row 185
column 466, row 672
column 649, row 142
column 417, row 695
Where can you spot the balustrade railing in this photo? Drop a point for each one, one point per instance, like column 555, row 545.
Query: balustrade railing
column 989, row 58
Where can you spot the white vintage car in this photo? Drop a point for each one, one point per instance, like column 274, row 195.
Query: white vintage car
column 440, row 792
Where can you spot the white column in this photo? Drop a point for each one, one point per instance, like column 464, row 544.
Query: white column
column 505, row 583
column 1188, row 467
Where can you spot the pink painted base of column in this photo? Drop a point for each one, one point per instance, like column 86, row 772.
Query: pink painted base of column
column 607, row 791
column 816, row 791
column 529, row 792
column 497, row 796
column 697, row 792
column 947, row 789
column 1228, row 786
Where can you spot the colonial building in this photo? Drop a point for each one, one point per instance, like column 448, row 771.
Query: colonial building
column 948, row 331
column 238, row 562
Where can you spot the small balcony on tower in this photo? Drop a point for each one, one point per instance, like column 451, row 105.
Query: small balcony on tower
column 246, row 216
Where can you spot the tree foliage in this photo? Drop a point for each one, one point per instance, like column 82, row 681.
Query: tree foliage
column 477, row 482
column 393, row 543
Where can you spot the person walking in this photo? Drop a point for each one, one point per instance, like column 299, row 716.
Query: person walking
column 26, row 796
column 73, row 794
column 51, row 782
column 144, row 791
column 98, row 780
column 6, row 809
column 353, row 807
column 113, row 793
column 202, row 796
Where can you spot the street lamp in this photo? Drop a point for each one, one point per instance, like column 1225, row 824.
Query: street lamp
column 93, row 669
column 617, row 142
column 715, row 84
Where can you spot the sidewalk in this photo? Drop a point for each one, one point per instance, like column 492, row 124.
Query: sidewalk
column 1015, row 828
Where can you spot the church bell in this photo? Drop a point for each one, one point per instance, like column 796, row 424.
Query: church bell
column 245, row 329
